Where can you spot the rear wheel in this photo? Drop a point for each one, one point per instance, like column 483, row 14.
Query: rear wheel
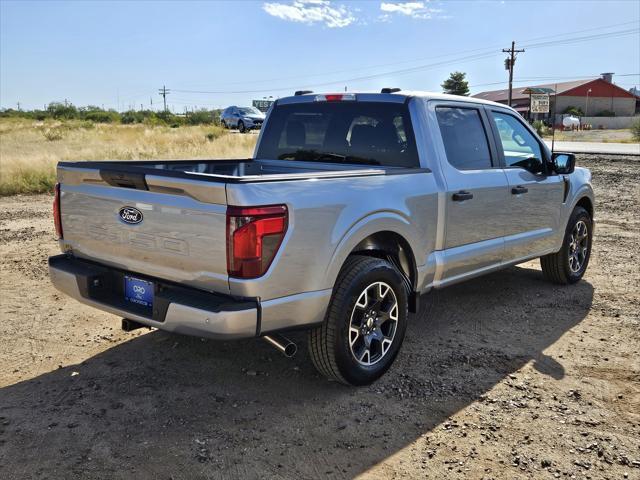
column 365, row 323
column 570, row 262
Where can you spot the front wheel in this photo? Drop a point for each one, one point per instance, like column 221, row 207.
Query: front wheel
column 241, row 127
column 365, row 323
column 570, row 262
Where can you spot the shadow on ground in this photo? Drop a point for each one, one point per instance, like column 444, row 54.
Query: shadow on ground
column 166, row 406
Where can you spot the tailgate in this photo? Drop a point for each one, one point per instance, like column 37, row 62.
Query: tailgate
column 175, row 230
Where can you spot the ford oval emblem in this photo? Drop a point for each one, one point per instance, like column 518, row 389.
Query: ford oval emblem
column 130, row 215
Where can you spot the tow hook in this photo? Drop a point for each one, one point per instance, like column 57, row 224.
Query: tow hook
column 282, row 343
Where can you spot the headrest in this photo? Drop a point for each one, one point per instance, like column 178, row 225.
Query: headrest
column 296, row 134
column 363, row 136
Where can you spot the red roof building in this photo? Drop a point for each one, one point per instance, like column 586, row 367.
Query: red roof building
column 593, row 96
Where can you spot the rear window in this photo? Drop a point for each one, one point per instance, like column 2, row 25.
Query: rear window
column 370, row 133
column 465, row 140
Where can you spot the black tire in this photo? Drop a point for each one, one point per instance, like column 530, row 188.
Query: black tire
column 223, row 124
column 557, row 267
column 329, row 344
column 241, row 127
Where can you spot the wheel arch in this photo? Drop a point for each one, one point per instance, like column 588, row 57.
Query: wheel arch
column 380, row 234
column 391, row 246
column 586, row 203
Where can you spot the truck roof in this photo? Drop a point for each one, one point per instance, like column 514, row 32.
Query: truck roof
column 398, row 97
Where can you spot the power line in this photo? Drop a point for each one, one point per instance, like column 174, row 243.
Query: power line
column 569, row 41
column 463, row 52
column 417, row 68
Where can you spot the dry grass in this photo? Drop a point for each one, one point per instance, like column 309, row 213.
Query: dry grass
column 29, row 151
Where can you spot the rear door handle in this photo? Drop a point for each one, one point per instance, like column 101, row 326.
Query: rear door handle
column 461, row 196
column 519, row 189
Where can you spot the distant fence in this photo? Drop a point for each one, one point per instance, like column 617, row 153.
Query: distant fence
column 604, row 122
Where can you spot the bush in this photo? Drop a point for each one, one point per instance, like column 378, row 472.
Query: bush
column 540, row 127
column 575, row 111
column 102, row 116
column 131, row 116
column 215, row 133
column 200, row 117
column 62, row 111
column 635, row 130
column 95, row 114
column 53, row 134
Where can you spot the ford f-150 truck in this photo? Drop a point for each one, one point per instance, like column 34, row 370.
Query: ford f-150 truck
column 352, row 206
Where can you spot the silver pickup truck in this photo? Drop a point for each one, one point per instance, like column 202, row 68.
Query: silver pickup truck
column 353, row 206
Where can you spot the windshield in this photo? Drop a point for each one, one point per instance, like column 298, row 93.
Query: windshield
column 249, row 111
column 372, row 133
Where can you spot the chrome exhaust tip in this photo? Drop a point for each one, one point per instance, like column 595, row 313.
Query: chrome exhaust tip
column 282, row 343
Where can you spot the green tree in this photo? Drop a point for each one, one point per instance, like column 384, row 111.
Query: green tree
column 576, row 111
column 456, row 84
column 62, row 111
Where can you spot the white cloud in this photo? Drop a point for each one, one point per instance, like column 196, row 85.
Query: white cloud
column 410, row 9
column 311, row 12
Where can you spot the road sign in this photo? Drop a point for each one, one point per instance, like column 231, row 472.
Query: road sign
column 539, row 103
column 262, row 105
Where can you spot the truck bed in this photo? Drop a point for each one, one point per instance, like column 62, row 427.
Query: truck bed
column 132, row 173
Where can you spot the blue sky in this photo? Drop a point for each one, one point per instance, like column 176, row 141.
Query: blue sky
column 118, row 54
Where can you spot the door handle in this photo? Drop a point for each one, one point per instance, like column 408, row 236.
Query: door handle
column 461, row 196
column 519, row 189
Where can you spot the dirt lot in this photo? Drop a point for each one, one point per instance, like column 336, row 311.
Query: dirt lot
column 502, row 377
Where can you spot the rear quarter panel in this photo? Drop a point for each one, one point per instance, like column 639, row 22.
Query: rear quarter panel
column 329, row 217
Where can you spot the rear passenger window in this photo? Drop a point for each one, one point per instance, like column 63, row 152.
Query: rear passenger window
column 465, row 140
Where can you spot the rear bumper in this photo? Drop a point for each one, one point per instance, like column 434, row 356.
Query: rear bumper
column 186, row 310
column 176, row 309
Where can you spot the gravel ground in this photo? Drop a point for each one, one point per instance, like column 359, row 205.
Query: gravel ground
column 506, row 376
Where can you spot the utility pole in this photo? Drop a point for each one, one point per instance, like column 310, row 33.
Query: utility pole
column 164, row 92
column 18, row 106
column 508, row 65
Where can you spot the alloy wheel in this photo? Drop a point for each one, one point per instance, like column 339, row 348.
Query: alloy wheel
column 373, row 323
column 578, row 246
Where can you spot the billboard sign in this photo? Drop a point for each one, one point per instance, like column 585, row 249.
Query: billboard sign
column 539, row 103
column 262, row 105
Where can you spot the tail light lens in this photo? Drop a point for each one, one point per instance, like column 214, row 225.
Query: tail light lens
column 57, row 214
column 335, row 97
column 254, row 235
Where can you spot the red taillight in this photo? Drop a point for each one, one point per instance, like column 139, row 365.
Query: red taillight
column 57, row 214
column 254, row 235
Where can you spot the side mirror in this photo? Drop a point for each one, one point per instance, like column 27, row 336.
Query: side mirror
column 564, row 163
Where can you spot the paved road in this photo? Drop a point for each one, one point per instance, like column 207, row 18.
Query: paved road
column 597, row 147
